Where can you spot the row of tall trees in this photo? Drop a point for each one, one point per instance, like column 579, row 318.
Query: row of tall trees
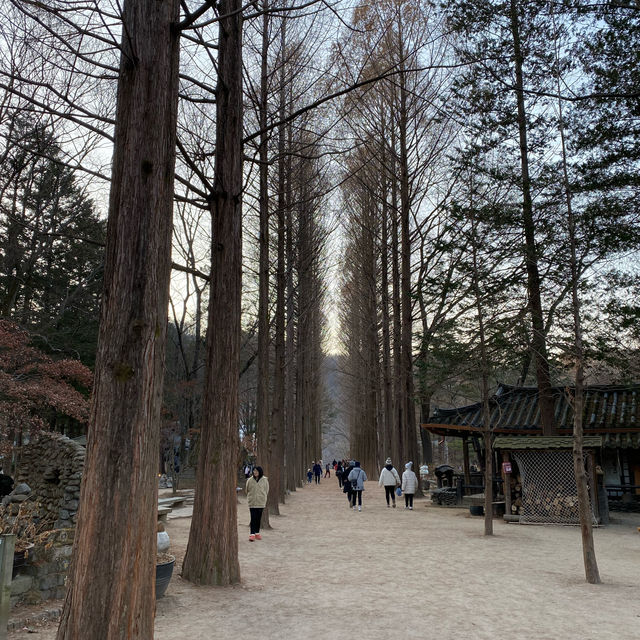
column 180, row 86
column 504, row 251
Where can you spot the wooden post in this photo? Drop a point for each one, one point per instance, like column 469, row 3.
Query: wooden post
column 7, row 544
column 465, row 454
column 594, row 484
column 506, row 487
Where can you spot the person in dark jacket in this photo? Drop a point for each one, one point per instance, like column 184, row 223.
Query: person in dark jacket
column 339, row 472
column 346, row 485
column 317, row 472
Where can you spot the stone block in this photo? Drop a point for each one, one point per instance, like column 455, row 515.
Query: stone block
column 60, row 592
column 72, row 505
column 21, row 584
column 63, row 551
column 22, row 488
column 64, row 514
column 47, row 582
column 44, row 567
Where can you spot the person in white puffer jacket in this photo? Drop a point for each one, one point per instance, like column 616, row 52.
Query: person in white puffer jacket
column 389, row 479
column 409, row 485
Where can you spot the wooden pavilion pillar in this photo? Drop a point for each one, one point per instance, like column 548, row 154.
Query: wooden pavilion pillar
column 506, row 487
column 465, row 457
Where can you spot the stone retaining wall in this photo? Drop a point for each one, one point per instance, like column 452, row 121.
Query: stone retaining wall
column 44, row 576
column 52, row 466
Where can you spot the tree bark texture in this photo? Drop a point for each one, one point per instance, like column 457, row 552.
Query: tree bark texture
column 111, row 582
column 212, row 551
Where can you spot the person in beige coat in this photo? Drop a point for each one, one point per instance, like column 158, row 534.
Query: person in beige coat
column 257, row 492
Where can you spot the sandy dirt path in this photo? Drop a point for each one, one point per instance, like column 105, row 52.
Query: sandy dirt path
column 324, row 570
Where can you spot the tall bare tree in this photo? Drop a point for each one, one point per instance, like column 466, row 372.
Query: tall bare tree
column 123, row 434
column 212, row 551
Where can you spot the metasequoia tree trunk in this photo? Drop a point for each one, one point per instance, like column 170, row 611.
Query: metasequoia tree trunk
column 263, row 429
column 296, row 464
column 395, row 301
column 111, row 582
column 539, row 343
column 212, row 551
column 387, row 388
column 367, row 446
column 278, row 472
column 409, row 442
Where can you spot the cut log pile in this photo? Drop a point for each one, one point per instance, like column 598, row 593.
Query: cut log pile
column 516, row 494
column 549, row 503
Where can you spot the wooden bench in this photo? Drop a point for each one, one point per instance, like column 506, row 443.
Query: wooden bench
column 163, row 512
column 177, row 501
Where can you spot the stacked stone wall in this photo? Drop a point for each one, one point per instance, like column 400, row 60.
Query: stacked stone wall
column 44, row 576
column 52, row 466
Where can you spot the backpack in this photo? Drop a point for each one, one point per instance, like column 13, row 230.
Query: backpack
column 354, row 483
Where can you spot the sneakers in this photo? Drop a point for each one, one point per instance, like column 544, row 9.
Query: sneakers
column 410, row 508
column 258, row 536
column 252, row 537
column 394, row 505
column 359, row 508
column 405, row 506
column 388, row 506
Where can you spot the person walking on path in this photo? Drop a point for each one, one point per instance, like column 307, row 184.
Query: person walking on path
column 257, row 492
column 389, row 479
column 317, row 472
column 339, row 472
column 346, row 485
column 357, row 477
column 327, row 470
column 409, row 485
column 309, row 476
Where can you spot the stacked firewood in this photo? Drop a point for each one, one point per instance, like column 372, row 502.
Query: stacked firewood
column 516, row 494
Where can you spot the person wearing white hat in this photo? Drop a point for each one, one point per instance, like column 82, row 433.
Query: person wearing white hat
column 389, row 479
column 409, row 485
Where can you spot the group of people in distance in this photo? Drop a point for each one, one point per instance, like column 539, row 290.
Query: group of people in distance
column 315, row 470
column 351, row 478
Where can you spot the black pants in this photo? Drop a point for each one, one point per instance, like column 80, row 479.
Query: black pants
column 256, row 515
column 317, row 476
column 408, row 499
column 390, row 491
column 357, row 495
column 340, row 480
